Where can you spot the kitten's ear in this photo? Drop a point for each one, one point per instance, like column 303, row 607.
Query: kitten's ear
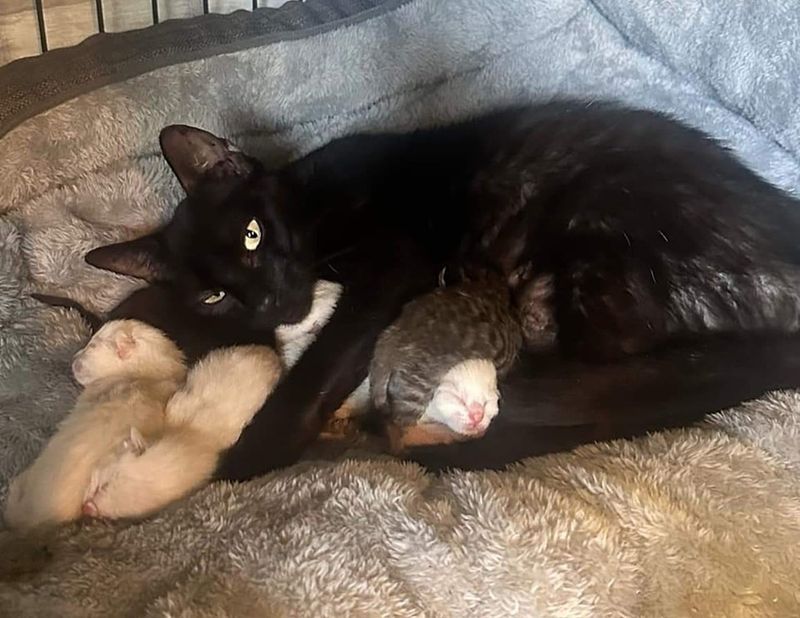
column 194, row 154
column 124, row 343
column 143, row 258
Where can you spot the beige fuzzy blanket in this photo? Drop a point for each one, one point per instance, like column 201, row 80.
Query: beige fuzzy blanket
column 701, row 522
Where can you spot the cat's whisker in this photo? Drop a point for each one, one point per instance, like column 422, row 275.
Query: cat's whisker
column 335, row 254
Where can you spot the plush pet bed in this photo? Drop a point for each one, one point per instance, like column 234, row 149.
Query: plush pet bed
column 703, row 521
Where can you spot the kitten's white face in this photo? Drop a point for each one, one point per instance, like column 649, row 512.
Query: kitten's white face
column 467, row 399
column 124, row 347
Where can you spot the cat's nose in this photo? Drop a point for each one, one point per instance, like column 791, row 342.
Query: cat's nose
column 476, row 412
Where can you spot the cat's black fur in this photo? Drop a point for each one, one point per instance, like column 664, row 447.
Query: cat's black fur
column 649, row 229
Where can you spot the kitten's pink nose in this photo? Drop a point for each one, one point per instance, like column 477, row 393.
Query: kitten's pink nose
column 475, row 412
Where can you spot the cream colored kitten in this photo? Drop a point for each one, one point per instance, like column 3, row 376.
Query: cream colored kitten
column 129, row 371
column 222, row 393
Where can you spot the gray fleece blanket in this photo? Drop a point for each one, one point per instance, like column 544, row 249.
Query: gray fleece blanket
column 703, row 521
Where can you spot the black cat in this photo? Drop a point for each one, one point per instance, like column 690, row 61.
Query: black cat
column 649, row 230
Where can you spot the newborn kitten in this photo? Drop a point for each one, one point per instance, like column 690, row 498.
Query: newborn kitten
column 128, row 370
column 434, row 370
column 205, row 417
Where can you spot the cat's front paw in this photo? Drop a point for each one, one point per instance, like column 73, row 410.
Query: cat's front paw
column 467, row 399
column 252, row 456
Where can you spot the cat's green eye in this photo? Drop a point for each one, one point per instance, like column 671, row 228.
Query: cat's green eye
column 252, row 235
column 214, row 297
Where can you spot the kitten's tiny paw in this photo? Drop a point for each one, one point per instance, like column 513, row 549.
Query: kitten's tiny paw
column 134, row 443
column 89, row 509
column 92, row 487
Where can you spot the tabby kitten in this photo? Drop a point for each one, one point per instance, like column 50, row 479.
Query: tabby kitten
column 437, row 364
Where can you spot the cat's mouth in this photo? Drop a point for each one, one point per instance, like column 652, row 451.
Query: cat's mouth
column 274, row 312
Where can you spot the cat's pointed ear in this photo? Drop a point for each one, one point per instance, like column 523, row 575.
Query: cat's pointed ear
column 194, row 154
column 143, row 258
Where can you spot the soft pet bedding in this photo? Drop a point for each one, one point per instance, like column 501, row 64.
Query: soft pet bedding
column 701, row 521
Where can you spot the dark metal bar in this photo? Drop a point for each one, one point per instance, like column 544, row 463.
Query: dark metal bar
column 154, row 4
column 255, row 4
column 101, row 21
column 205, row 7
column 40, row 24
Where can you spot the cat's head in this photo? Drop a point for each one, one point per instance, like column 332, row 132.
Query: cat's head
column 233, row 246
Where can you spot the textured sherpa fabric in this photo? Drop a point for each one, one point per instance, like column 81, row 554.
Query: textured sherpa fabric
column 701, row 522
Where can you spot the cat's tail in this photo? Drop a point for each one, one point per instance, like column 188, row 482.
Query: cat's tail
column 92, row 319
column 552, row 404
